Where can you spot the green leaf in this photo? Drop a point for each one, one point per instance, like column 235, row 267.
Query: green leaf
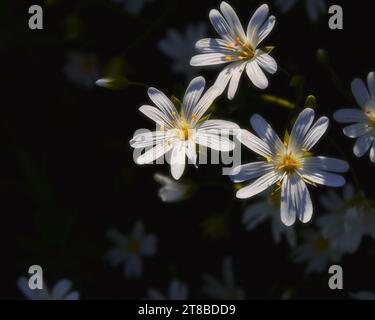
column 277, row 100
column 267, row 49
column 177, row 102
column 310, row 102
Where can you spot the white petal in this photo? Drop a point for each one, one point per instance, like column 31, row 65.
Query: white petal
column 287, row 208
column 208, row 59
column 303, row 202
column 233, row 20
column 371, row 84
column 356, row 130
column 236, row 76
column 178, row 160
column 265, row 61
column 372, row 153
column 256, row 75
column 266, row 133
column 191, row 152
column 225, row 75
column 254, row 143
column 133, row 267
column 205, row 102
column 210, row 45
column 256, row 23
column 250, row 171
column 349, row 115
column 300, row 128
column 217, row 125
column 221, row 26
column 323, row 178
column 193, row 94
column 362, row 145
column 214, row 141
column 154, row 153
column 265, row 30
column 156, row 115
column 315, row 133
column 148, row 245
column 149, row 138
column 360, row 92
column 163, row 103
column 259, row 185
column 326, row 164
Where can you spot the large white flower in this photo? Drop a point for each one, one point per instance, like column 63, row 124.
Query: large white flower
column 347, row 219
column 225, row 289
column 178, row 133
column 268, row 209
column 237, row 49
column 180, row 47
column 60, row 291
column 363, row 120
column 314, row 8
column 288, row 164
column 177, row 290
column 130, row 250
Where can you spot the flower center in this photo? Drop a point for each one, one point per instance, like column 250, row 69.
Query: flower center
column 133, row 245
column 184, row 132
column 287, row 163
column 243, row 50
column 371, row 116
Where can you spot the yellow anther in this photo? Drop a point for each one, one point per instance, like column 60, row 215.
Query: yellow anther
column 240, row 57
column 173, row 113
column 269, row 159
column 228, row 58
column 194, row 116
column 162, row 128
column 229, row 45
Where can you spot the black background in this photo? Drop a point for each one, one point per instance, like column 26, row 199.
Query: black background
column 67, row 173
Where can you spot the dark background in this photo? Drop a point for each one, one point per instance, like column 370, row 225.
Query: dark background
column 67, row 173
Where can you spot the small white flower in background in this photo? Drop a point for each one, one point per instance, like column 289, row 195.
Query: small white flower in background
column 363, row 127
column 178, row 133
column 363, row 295
column 177, row 291
column 237, row 49
column 316, row 251
column 171, row 190
column 269, row 209
column 133, row 6
column 129, row 250
column 288, row 165
column 82, row 69
column 225, row 289
column 60, row 291
column 347, row 219
column 180, row 47
column 315, row 8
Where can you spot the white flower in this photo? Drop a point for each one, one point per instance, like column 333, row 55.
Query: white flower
column 363, row 295
column 82, row 69
column 133, row 6
column 237, row 49
column 314, row 8
column 171, row 191
column 347, row 219
column 180, row 47
column 316, row 251
column 288, row 164
column 177, row 291
column 59, row 292
column 263, row 210
column 130, row 250
column 179, row 133
column 363, row 127
column 226, row 289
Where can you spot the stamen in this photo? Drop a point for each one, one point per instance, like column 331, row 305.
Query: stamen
column 228, row 58
column 194, row 116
